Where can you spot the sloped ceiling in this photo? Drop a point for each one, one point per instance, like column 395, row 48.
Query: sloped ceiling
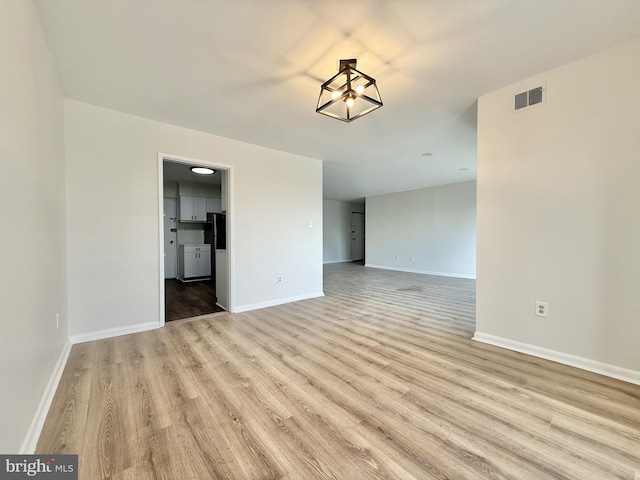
column 251, row 70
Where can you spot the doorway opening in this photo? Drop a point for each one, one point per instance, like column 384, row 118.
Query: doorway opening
column 196, row 238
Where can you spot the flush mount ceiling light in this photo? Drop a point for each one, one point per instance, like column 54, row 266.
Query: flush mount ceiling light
column 203, row 170
column 349, row 94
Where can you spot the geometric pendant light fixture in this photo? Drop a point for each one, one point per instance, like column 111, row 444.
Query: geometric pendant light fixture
column 349, row 94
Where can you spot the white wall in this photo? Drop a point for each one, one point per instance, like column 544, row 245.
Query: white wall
column 436, row 226
column 113, row 223
column 336, row 236
column 170, row 189
column 32, row 195
column 559, row 211
column 199, row 189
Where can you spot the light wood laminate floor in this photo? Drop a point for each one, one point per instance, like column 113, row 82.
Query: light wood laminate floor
column 379, row 379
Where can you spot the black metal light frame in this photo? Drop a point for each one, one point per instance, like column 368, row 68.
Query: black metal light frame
column 346, row 90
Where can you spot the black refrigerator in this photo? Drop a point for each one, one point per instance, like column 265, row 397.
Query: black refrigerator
column 215, row 234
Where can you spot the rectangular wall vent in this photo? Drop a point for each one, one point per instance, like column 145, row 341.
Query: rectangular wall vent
column 521, row 100
column 529, row 98
column 535, row 96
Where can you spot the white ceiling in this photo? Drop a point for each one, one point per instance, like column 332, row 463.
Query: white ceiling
column 251, row 70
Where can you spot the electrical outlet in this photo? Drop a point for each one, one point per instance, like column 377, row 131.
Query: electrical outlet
column 57, row 321
column 310, row 224
column 411, row 259
column 279, row 279
column 542, row 309
column 397, row 257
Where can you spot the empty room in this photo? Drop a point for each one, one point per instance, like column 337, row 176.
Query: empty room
column 300, row 239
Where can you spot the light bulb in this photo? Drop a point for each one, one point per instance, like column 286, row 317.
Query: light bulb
column 359, row 89
column 335, row 94
column 350, row 101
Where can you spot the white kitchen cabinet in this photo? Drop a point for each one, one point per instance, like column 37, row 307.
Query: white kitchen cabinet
column 193, row 209
column 200, row 208
column 194, row 261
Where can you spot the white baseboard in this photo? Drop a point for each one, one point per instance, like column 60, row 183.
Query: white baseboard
column 346, row 260
column 606, row 369
column 112, row 332
column 423, row 272
column 33, row 434
column 273, row 303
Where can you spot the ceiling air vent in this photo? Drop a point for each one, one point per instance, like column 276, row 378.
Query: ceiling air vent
column 529, row 98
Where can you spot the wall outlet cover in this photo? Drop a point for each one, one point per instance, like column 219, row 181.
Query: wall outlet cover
column 542, row 309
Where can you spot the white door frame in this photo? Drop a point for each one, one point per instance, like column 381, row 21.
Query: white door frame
column 230, row 224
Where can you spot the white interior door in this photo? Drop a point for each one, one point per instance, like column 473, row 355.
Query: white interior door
column 357, row 236
column 170, row 238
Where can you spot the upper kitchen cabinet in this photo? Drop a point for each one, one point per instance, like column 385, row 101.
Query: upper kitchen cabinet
column 193, row 209
column 196, row 199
